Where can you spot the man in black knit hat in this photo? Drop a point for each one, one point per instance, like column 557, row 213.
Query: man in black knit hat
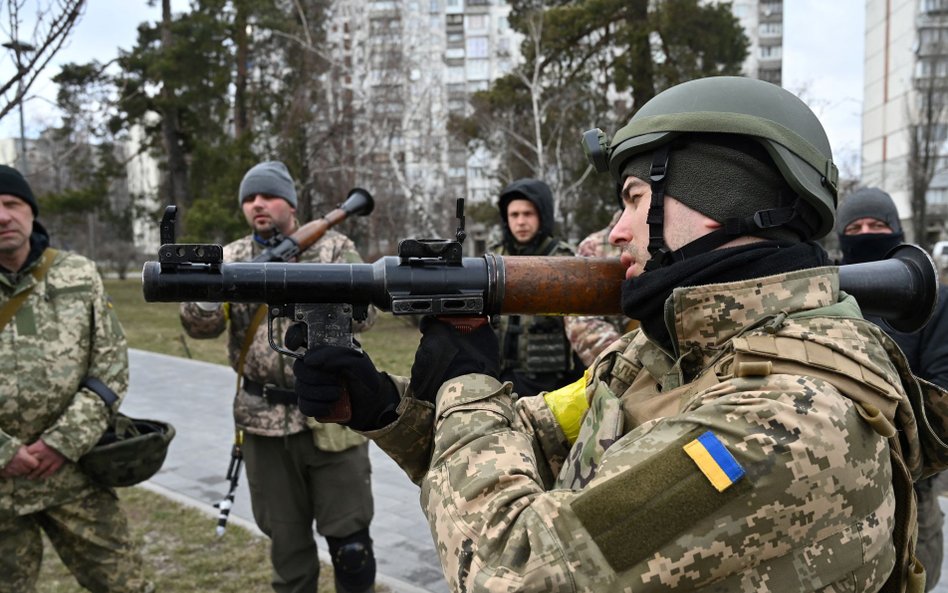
column 868, row 227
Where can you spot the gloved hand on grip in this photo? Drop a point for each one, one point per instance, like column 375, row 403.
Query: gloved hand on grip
column 324, row 371
column 445, row 353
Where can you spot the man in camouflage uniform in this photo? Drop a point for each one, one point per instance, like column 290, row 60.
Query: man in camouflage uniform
column 62, row 354
column 298, row 470
column 536, row 355
column 753, row 435
column 868, row 228
column 590, row 334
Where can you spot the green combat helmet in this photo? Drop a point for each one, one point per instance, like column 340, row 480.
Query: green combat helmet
column 131, row 451
column 769, row 115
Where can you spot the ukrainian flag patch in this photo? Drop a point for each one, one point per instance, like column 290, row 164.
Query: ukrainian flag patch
column 714, row 461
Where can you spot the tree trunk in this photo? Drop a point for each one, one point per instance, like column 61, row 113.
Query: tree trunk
column 176, row 178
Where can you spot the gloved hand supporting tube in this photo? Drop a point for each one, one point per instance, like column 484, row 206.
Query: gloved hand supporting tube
column 445, row 353
column 321, row 375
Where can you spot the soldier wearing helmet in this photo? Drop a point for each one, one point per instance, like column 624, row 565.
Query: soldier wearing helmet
column 64, row 363
column 754, row 434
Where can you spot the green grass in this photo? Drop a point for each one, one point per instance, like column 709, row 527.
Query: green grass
column 181, row 552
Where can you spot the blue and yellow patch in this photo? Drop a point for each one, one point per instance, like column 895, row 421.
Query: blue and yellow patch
column 714, row 461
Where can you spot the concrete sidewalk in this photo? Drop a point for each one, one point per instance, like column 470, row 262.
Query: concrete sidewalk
column 196, row 397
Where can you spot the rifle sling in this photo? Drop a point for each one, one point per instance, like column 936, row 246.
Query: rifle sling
column 39, row 273
column 255, row 322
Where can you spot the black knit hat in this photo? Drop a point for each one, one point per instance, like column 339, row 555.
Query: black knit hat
column 868, row 202
column 13, row 183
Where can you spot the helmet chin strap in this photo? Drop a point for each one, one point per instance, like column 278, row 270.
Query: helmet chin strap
column 732, row 228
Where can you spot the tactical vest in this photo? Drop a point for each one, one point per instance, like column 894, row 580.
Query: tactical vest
column 536, row 344
column 923, row 415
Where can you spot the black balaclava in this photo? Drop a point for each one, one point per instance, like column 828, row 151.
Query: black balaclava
column 732, row 180
column 868, row 202
column 538, row 194
column 726, row 177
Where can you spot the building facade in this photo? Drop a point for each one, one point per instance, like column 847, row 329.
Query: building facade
column 905, row 100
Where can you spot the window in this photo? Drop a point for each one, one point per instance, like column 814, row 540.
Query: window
column 454, row 74
column 477, row 22
column 770, row 52
column 477, row 47
column 771, row 29
column 478, row 69
column 455, row 20
column 934, row 6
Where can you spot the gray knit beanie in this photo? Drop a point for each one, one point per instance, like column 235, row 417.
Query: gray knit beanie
column 868, row 202
column 722, row 176
column 270, row 178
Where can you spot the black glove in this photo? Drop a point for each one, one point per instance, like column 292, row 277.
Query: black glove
column 445, row 353
column 324, row 371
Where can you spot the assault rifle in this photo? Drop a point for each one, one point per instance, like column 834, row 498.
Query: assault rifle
column 430, row 277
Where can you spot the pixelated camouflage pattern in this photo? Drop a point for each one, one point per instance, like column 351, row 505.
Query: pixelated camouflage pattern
column 819, row 511
column 64, row 331
column 589, row 334
column 264, row 365
column 112, row 564
column 542, row 346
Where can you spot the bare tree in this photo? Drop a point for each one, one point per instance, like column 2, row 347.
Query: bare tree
column 32, row 50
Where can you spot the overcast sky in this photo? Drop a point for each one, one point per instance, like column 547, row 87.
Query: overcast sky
column 822, row 61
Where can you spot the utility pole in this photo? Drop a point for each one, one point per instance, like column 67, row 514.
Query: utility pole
column 19, row 48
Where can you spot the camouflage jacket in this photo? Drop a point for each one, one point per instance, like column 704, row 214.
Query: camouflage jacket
column 264, row 365
column 588, row 334
column 534, row 343
column 694, row 471
column 65, row 331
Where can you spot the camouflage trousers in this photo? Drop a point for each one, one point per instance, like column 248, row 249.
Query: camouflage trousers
column 930, row 549
column 90, row 535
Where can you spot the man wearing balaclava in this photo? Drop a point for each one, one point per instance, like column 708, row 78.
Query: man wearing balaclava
column 743, row 439
column 536, row 354
column 868, row 227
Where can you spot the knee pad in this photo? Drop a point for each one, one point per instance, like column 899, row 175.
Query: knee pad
column 353, row 562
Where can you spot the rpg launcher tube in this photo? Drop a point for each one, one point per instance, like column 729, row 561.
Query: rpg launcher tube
column 485, row 285
column 902, row 289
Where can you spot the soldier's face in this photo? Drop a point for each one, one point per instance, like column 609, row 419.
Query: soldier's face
column 16, row 225
column 523, row 220
column 867, row 226
column 682, row 225
column 630, row 233
column 266, row 214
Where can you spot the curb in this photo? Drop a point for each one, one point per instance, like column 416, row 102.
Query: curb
column 395, row 584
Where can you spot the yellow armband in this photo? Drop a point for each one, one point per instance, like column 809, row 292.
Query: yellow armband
column 569, row 406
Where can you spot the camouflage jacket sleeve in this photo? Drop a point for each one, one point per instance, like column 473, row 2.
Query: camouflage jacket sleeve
column 589, row 335
column 82, row 422
column 815, row 493
column 202, row 324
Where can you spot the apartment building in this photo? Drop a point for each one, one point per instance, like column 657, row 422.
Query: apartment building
column 906, row 72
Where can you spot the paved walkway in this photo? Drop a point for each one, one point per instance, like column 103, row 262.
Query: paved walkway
column 196, row 397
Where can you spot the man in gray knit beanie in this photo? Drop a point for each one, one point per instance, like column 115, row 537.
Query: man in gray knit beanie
column 269, row 178
column 300, row 471
column 267, row 198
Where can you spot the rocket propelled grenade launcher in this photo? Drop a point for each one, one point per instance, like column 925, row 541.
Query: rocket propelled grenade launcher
column 430, row 276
